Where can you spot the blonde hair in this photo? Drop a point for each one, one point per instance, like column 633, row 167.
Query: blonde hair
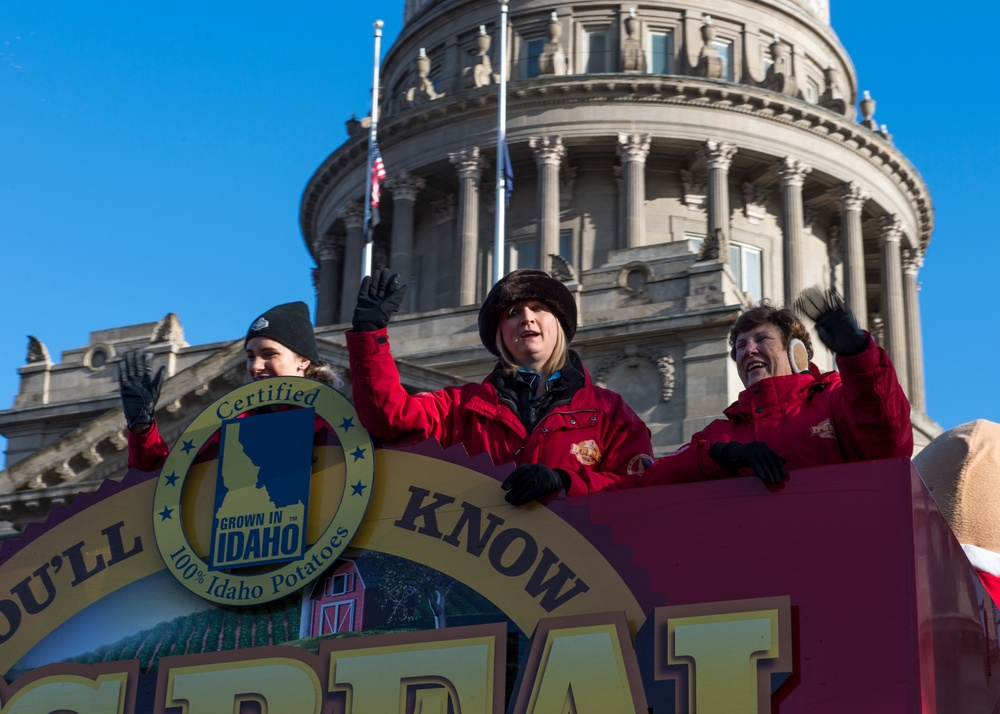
column 324, row 372
column 556, row 361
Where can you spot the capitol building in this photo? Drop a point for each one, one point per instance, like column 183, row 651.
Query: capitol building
column 674, row 161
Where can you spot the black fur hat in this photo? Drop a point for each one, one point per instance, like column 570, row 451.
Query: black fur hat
column 520, row 285
column 288, row 324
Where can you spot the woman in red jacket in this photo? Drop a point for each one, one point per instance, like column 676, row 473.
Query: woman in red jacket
column 538, row 408
column 279, row 343
column 791, row 415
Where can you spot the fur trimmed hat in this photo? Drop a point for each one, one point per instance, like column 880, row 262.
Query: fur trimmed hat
column 520, row 285
column 288, row 324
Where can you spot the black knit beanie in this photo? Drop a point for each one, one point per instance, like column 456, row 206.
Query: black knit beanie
column 521, row 285
column 288, row 324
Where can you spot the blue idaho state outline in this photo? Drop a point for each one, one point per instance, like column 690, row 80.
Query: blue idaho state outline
column 280, row 445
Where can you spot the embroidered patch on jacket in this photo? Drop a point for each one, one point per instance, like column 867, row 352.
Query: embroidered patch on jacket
column 586, row 452
column 638, row 464
column 824, row 430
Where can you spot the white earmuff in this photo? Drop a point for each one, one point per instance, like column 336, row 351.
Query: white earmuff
column 798, row 357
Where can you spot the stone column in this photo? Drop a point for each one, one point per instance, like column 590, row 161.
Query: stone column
column 718, row 158
column 633, row 150
column 792, row 173
column 852, row 200
column 549, row 152
column 353, row 215
column 469, row 165
column 913, row 260
column 893, row 307
column 404, row 188
column 328, row 248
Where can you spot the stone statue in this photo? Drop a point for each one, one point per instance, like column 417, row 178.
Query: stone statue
column 552, row 61
column 424, row 90
column 633, row 60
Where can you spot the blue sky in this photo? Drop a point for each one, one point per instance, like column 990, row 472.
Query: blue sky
column 154, row 154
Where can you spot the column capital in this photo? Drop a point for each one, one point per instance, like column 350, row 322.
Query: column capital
column 633, row 147
column 792, row 172
column 852, row 196
column 327, row 247
column 718, row 154
column 549, row 150
column 468, row 163
column 890, row 228
column 913, row 261
column 404, row 186
column 353, row 214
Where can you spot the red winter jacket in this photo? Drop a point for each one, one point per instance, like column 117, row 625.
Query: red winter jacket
column 147, row 451
column 811, row 419
column 595, row 438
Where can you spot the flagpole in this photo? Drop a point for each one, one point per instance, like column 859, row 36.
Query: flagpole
column 366, row 232
column 498, row 242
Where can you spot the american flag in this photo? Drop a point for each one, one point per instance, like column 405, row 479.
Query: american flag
column 378, row 174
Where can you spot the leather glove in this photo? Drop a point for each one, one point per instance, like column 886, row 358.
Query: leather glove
column 767, row 465
column 139, row 391
column 378, row 300
column 835, row 324
column 532, row 481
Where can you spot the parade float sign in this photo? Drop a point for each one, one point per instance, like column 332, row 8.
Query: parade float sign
column 278, row 562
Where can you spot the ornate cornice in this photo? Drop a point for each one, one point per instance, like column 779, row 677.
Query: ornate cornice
column 540, row 93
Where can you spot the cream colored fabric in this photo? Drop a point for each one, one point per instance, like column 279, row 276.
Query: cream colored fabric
column 961, row 468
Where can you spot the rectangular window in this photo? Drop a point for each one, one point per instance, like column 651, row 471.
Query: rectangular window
column 725, row 49
column 340, row 584
column 532, row 53
column 596, row 42
column 566, row 244
column 522, row 254
column 811, row 91
column 661, row 52
column 745, row 264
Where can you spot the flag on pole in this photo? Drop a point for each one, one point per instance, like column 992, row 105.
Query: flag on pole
column 378, row 175
column 508, row 175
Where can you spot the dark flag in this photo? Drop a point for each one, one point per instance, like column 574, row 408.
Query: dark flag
column 508, row 175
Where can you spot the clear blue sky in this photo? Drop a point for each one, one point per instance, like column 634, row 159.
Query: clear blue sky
column 154, row 154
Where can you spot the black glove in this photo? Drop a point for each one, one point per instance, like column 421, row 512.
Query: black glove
column 532, row 481
column 378, row 300
column 768, row 466
column 835, row 324
column 139, row 391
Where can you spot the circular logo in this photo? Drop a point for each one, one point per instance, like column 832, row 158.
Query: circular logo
column 243, row 529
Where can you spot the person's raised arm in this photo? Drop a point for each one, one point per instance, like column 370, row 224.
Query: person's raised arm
column 379, row 298
column 139, row 393
column 872, row 417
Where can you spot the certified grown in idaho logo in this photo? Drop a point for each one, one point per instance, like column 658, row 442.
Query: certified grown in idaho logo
column 237, row 530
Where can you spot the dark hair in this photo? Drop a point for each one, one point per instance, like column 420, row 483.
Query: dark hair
column 765, row 313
